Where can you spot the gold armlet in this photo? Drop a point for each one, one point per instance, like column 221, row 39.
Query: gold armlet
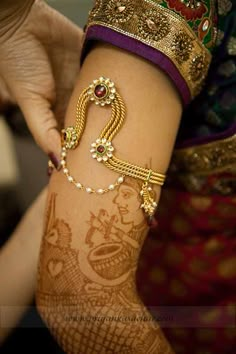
column 103, row 92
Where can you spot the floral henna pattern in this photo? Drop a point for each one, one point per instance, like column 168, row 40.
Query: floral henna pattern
column 87, row 296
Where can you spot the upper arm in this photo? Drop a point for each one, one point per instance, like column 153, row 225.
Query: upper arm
column 92, row 242
column 146, row 138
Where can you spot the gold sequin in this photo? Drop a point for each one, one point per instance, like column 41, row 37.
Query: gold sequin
column 210, row 316
column 231, row 310
column 234, row 200
column 177, row 288
column 201, row 203
column 227, row 268
column 180, row 225
column 173, row 255
column 119, row 11
column 182, row 46
column 220, row 37
column 213, row 246
column 224, row 6
column 153, row 25
column 231, row 46
column 93, row 12
column 196, row 68
column 157, row 275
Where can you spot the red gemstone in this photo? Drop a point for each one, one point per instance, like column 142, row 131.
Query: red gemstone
column 100, row 91
column 100, row 149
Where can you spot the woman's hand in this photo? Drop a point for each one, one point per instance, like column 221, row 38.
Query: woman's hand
column 40, row 55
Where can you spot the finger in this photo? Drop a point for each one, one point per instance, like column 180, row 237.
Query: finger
column 67, row 38
column 43, row 125
column 5, row 96
column 64, row 29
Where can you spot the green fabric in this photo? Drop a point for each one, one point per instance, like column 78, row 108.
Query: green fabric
column 214, row 110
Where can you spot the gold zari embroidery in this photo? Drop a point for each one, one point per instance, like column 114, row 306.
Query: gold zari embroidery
column 215, row 157
column 159, row 28
column 194, row 165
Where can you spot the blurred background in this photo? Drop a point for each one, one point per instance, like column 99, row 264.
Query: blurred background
column 20, row 182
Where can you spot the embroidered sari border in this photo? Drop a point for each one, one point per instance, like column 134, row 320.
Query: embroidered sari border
column 162, row 30
column 141, row 49
column 206, row 159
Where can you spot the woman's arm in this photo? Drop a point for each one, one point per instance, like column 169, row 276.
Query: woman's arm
column 18, row 267
column 92, row 243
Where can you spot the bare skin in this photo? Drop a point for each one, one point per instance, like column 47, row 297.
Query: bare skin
column 89, row 255
column 18, row 267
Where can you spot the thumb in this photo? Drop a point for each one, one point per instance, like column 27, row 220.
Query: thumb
column 43, row 125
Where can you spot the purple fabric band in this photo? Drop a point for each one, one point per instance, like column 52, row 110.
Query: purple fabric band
column 99, row 32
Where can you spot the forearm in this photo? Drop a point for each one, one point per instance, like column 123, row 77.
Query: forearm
column 87, row 293
column 101, row 235
column 18, row 267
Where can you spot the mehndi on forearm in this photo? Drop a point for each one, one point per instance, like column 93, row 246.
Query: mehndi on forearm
column 88, row 296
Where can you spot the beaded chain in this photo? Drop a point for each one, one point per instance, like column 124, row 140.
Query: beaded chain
column 79, row 185
column 102, row 92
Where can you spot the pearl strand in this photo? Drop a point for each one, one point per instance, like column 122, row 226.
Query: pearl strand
column 79, row 185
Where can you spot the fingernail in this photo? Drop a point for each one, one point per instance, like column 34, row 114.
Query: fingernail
column 55, row 161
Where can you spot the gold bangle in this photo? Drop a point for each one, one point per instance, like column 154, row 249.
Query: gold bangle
column 102, row 92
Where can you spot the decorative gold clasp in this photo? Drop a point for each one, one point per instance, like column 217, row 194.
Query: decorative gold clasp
column 149, row 205
column 69, row 138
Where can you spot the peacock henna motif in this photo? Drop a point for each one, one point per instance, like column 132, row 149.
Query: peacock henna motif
column 87, row 295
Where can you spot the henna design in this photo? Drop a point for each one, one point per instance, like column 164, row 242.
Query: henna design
column 87, row 296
